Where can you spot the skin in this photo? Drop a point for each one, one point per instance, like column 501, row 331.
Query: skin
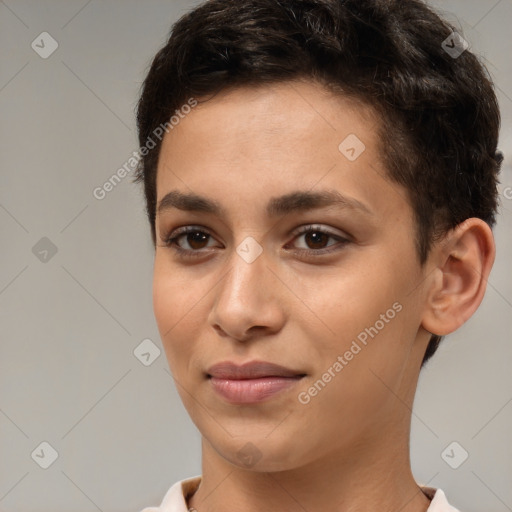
column 347, row 449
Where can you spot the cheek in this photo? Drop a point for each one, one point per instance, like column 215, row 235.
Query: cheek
column 349, row 300
column 365, row 313
column 175, row 294
column 369, row 320
column 165, row 300
column 173, row 304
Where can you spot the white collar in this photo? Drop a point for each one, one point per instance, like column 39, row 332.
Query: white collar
column 175, row 500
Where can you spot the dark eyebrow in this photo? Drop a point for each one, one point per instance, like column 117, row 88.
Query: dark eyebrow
column 277, row 206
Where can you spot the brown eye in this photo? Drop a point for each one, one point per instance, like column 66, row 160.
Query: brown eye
column 316, row 241
column 196, row 239
column 192, row 241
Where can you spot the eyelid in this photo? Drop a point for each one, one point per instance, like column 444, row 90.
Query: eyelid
column 342, row 240
column 182, row 231
column 305, row 228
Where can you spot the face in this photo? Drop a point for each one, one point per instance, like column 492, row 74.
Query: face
column 307, row 262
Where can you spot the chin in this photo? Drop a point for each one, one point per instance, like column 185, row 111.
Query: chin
column 261, row 454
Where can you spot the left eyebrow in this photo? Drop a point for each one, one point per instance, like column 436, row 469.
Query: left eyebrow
column 297, row 201
column 305, row 200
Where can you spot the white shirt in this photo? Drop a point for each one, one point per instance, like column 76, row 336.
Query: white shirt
column 176, row 496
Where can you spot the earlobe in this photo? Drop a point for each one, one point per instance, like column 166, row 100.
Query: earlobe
column 464, row 259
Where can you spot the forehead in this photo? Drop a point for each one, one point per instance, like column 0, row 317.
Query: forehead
column 254, row 141
column 270, row 115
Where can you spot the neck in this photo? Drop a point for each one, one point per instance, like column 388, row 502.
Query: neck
column 371, row 477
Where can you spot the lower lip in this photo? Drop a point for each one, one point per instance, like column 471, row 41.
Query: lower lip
column 249, row 391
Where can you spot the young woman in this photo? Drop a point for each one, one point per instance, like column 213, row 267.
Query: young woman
column 320, row 178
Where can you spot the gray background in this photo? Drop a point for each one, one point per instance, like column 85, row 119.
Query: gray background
column 70, row 321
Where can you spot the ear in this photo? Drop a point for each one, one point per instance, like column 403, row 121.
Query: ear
column 463, row 261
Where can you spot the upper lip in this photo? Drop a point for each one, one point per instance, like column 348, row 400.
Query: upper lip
column 250, row 370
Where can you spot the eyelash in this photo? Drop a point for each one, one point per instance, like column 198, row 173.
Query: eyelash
column 187, row 253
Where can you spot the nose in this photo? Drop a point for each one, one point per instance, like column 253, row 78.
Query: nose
column 247, row 302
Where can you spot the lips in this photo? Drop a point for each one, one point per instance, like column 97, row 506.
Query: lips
column 251, row 370
column 251, row 382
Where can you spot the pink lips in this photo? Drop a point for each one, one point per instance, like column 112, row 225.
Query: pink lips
column 252, row 382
